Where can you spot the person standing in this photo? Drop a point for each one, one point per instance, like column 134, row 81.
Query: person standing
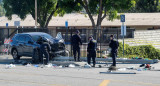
column 76, row 41
column 91, row 51
column 45, row 48
column 114, row 48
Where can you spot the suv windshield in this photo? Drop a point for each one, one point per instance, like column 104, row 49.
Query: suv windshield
column 36, row 37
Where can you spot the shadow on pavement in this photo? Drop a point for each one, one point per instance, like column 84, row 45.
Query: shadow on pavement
column 7, row 59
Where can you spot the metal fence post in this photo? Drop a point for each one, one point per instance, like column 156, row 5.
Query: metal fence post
column 66, row 35
column 17, row 30
column 117, row 34
column 71, row 42
column 101, row 42
column 8, row 32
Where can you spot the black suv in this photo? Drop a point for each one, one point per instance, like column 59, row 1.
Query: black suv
column 25, row 44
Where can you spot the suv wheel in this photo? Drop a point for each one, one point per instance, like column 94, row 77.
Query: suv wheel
column 35, row 57
column 15, row 54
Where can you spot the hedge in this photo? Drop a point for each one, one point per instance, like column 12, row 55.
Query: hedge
column 144, row 51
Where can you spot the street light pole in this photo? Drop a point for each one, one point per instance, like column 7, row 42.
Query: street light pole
column 35, row 13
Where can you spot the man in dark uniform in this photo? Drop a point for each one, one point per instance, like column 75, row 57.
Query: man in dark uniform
column 76, row 41
column 114, row 48
column 91, row 51
column 45, row 48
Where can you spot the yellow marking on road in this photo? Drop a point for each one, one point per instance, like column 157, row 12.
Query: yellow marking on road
column 136, row 83
column 104, row 83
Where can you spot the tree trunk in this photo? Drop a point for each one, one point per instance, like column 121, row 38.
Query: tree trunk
column 49, row 18
column 100, row 13
column 99, row 19
column 85, row 6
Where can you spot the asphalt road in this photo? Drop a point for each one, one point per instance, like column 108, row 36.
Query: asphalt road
column 79, row 76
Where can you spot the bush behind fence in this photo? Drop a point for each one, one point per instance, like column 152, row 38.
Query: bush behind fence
column 144, row 51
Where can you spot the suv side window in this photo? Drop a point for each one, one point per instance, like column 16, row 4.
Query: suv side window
column 28, row 39
column 21, row 38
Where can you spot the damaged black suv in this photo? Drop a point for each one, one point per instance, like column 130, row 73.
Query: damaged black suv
column 25, row 44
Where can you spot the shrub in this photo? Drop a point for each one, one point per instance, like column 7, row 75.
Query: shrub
column 144, row 51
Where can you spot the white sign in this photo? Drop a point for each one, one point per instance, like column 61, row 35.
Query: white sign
column 123, row 30
column 16, row 23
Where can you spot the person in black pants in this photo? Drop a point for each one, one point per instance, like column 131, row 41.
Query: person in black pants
column 114, row 48
column 76, row 41
column 45, row 48
column 91, row 51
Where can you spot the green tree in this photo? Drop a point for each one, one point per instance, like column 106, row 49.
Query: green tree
column 148, row 5
column 45, row 9
column 145, row 6
column 2, row 11
column 103, row 9
column 22, row 8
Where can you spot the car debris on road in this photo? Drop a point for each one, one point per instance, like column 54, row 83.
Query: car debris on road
column 10, row 66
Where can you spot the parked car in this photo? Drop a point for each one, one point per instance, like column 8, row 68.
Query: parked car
column 25, row 44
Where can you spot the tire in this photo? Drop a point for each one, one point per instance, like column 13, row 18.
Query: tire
column 15, row 54
column 36, row 56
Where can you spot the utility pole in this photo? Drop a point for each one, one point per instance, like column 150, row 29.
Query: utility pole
column 35, row 13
